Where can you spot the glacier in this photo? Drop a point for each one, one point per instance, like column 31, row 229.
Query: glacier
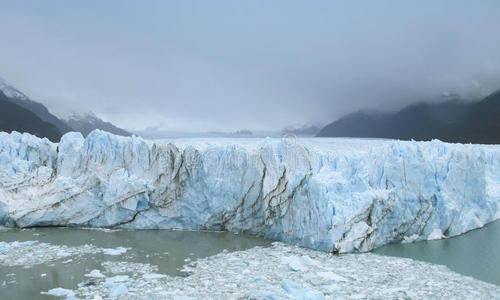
column 335, row 195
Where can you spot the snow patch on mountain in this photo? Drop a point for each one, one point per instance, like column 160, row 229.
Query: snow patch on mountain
column 10, row 91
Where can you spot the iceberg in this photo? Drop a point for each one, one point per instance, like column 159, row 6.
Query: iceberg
column 335, row 195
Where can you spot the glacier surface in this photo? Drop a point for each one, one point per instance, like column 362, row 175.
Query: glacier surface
column 336, row 195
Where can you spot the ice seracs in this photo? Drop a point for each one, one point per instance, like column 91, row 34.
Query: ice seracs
column 336, row 195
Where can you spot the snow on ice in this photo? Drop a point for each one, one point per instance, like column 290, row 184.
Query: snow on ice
column 335, row 195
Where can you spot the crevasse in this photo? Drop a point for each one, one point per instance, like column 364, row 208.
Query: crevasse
column 337, row 195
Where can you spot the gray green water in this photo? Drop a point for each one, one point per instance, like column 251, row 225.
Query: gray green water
column 475, row 253
column 166, row 249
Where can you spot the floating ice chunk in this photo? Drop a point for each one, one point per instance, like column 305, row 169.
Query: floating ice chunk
column 436, row 234
column 153, row 276
column 63, row 253
column 306, row 260
column 332, row 276
column 117, row 285
column 60, row 292
column 298, row 292
column 117, row 290
column 27, row 243
column 95, row 274
column 116, row 251
column 297, row 266
column 115, row 279
column 296, row 263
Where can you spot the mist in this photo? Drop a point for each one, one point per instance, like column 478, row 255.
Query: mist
column 219, row 65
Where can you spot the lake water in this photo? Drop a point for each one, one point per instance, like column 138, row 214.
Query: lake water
column 475, row 253
column 169, row 250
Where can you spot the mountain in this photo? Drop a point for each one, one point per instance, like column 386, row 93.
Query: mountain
column 451, row 121
column 301, row 130
column 14, row 117
column 83, row 123
column 87, row 122
column 15, row 96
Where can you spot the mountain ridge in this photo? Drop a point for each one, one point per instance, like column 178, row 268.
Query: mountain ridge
column 14, row 117
column 87, row 122
column 84, row 123
column 17, row 97
column 450, row 121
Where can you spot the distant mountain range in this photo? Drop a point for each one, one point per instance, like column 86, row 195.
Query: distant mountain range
column 450, row 121
column 87, row 122
column 16, row 118
column 35, row 118
column 302, row 130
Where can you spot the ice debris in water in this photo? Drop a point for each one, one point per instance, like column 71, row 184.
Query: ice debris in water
column 153, row 276
column 332, row 276
column 32, row 252
column 116, row 290
column 116, row 251
column 95, row 274
column 4, row 246
column 61, row 292
column 265, row 273
column 117, row 267
column 297, row 292
column 296, row 263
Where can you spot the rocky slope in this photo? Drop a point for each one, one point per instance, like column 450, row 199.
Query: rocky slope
column 451, row 121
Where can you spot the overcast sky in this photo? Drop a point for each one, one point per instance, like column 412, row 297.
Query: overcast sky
column 228, row 65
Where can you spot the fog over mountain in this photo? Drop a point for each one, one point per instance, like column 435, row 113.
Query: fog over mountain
column 450, row 121
column 258, row 65
column 87, row 122
column 20, row 113
column 14, row 117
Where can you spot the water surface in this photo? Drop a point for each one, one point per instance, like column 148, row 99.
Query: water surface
column 169, row 250
column 475, row 253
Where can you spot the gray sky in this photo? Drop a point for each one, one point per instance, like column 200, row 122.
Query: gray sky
column 227, row 65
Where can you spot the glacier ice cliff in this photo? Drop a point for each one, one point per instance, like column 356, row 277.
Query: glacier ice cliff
column 337, row 195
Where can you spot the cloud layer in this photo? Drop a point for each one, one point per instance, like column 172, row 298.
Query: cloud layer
column 222, row 65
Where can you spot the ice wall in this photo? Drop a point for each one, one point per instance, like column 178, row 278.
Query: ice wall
column 338, row 195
